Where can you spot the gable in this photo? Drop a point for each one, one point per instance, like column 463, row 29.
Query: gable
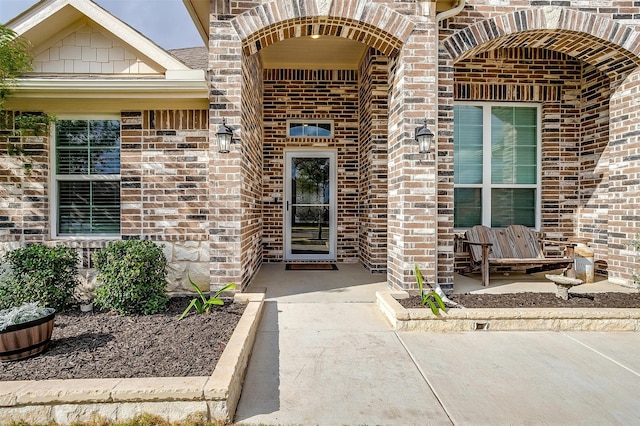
column 80, row 28
column 88, row 49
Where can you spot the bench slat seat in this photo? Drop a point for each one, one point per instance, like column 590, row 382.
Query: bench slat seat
column 516, row 245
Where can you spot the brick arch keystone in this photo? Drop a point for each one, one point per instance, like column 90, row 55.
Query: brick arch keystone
column 596, row 39
column 370, row 23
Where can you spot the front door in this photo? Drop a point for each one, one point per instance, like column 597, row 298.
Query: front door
column 310, row 205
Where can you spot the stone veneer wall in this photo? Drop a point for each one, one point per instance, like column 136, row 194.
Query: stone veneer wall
column 374, row 94
column 164, row 192
column 311, row 94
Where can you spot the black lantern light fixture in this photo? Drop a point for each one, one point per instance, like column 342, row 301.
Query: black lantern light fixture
column 424, row 136
column 225, row 137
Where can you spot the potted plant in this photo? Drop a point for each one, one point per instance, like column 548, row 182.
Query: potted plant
column 25, row 331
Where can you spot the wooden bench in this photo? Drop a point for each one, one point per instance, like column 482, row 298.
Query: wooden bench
column 514, row 246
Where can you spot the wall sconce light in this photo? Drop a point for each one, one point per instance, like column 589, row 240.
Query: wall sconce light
column 225, row 137
column 424, row 136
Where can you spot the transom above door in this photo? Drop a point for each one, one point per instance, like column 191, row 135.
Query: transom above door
column 310, row 205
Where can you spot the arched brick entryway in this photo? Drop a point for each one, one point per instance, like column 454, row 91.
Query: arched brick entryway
column 237, row 84
column 594, row 133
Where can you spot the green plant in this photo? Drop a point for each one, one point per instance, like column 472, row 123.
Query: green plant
column 23, row 313
column 133, row 277
column 202, row 304
column 14, row 60
column 36, row 122
column 431, row 298
column 636, row 245
column 38, row 273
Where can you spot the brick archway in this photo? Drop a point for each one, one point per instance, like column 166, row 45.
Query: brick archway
column 613, row 48
column 374, row 25
column 604, row 148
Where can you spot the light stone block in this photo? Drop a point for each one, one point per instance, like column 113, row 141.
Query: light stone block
column 69, row 413
column 186, row 253
column 8, row 391
column 36, row 414
column 159, row 388
column 172, row 411
column 80, row 390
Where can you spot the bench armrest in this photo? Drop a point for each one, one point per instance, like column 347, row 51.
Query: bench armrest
column 559, row 243
column 477, row 244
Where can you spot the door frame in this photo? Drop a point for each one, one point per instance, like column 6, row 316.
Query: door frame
column 333, row 203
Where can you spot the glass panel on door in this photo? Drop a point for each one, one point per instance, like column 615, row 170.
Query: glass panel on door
column 310, row 220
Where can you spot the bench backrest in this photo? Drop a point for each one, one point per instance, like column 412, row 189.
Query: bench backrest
column 514, row 242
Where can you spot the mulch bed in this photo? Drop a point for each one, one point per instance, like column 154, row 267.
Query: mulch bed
column 538, row 300
column 107, row 345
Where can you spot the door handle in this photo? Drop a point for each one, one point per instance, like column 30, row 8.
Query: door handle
column 287, row 205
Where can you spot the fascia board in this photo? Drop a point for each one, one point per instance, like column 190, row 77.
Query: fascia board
column 202, row 25
column 116, row 88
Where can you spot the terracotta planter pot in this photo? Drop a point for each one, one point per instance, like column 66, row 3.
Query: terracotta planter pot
column 27, row 339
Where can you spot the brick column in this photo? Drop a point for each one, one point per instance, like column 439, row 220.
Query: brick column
column 624, row 181
column 412, row 194
column 225, row 171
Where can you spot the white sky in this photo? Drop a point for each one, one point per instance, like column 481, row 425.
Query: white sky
column 166, row 22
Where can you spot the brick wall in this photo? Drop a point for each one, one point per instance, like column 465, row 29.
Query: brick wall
column 593, row 202
column 574, row 99
column 164, row 191
column 311, row 94
column 24, row 184
column 374, row 77
column 252, row 191
column 622, row 11
column 602, row 37
column 623, row 191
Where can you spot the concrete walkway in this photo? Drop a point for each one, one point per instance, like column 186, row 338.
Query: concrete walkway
column 324, row 355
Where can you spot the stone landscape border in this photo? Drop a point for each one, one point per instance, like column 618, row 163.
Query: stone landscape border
column 505, row 319
column 214, row 397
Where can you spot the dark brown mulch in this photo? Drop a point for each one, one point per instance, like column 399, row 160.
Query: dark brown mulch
column 538, row 300
column 107, row 345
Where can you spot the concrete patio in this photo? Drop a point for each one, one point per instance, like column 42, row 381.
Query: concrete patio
column 325, row 355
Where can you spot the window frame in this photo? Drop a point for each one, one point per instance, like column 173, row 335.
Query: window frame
column 310, row 122
column 487, row 186
column 55, row 178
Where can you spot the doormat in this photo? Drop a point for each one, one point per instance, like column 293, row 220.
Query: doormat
column 311, row 267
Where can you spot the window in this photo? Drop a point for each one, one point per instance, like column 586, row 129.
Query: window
column 496, row 165
column 309, row 129
column 87, row 177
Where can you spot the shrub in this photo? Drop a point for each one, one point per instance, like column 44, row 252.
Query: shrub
column 38, row 273
column 132, row 276
column 636, row 245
